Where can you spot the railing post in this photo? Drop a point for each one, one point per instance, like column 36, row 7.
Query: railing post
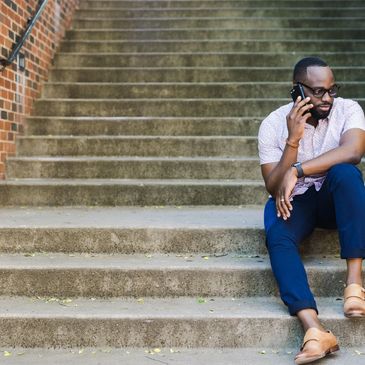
column 17, row 46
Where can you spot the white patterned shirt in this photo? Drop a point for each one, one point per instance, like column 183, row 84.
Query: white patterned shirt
column 345, row 114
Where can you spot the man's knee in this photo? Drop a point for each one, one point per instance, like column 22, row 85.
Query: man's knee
column 344, row 174
column 278, row 238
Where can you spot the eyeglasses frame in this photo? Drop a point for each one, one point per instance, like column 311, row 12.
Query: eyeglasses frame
column 325, row 90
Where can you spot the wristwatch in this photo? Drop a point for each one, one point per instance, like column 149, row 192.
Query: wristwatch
column 298, row 166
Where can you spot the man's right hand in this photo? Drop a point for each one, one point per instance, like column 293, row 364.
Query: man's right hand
column 297, row 118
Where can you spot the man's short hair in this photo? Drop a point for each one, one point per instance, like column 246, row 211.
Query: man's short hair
column 300, row 69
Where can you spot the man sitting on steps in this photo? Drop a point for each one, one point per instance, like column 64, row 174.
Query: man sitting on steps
column 308, row 151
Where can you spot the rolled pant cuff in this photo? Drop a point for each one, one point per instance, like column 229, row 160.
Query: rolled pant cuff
column 353, row 254
column 294, row 308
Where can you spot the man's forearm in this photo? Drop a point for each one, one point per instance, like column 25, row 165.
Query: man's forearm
column 322, row 163
column 289, row 157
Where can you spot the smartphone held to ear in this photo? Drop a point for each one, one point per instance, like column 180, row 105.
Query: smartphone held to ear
column 296, row 91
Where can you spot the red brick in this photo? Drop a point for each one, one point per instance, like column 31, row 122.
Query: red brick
column 42, row 50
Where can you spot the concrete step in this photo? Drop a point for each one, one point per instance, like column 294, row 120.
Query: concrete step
column 190, row 61
column 146, row 4
column 158, row 323
column 221, row 45
column 160, row 107
column 290, row 22
column 156, row 275
column 258, row 11
column 176, row 356
column 213, row 33
column 143, row 126
column 167, row 146
column 182, row 90
column 119, row 192
column 133, row 168
column 130, row 192
column 161, row 229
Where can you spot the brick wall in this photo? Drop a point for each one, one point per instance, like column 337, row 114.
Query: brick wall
column 18, row 88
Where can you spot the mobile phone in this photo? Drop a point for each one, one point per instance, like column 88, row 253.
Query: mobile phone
column 296, row 91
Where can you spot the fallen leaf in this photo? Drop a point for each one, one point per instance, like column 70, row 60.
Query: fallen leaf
column 201, row 300
column 157, row 350
column 7, row 353
column 140, row 300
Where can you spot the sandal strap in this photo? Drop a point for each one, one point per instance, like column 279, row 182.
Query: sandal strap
column 354, row 291
column 312, row 334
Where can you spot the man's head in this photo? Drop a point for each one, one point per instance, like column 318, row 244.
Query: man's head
column 319, row 84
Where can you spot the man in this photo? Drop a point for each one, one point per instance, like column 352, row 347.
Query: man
column 308, row 151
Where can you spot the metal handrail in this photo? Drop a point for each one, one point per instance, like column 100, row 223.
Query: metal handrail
column 17, row 46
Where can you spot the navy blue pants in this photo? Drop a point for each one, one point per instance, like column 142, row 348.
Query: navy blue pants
column 340, row 203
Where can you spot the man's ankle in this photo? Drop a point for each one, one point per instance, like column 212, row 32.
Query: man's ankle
column 354, row 281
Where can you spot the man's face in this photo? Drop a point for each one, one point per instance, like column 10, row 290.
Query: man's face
column 319, row 78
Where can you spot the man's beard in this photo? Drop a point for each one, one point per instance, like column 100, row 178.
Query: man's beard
column 320, row 115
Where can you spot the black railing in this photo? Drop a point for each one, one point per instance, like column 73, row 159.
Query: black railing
column 17, row 46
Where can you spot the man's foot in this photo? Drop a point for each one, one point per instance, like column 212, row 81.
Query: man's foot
column 354, row 305
column 316, row 345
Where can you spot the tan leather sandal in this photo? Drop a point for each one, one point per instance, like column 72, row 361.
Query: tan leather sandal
column 316, row 345
column 354, row 305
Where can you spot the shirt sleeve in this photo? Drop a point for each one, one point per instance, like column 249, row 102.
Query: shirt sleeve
column 354, row 116
column 268, row 142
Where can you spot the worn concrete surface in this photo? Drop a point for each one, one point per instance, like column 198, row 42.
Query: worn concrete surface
column 170, row 356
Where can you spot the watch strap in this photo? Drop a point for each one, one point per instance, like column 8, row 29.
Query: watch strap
column 299, row 168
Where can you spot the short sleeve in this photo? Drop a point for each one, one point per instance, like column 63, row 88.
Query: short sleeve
column 268, row 141
column 354, row 116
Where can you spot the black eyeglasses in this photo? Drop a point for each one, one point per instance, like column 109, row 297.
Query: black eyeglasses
column 318, row 92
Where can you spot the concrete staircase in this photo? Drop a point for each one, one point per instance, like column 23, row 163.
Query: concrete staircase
column 131, row 227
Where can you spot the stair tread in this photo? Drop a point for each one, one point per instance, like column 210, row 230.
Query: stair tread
column 196, row 182
column 184, row 308
column 158, row 262
column 128, row 158
column 213, row 83
column 141, row 137
column 63, row 54
column 258, row 40
column 173, row 356
column 138, row 118
column 133, row 217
